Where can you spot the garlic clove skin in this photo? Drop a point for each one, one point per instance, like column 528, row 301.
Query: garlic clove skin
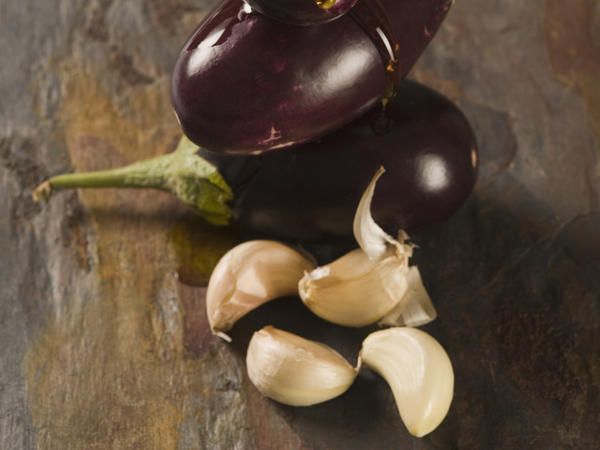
column 355, row 290
column 248, row 276
column 295, row 371
column 418, row 371
column 416, row 308
column 370, row 236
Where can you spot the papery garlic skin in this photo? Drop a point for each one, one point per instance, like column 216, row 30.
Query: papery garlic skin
column 418, row 371
column 248, row 276
column 355, row 290
column 295, row 371
column 370, row 236
column 415, row 309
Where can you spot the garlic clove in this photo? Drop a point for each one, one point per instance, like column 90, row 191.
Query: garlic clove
column 418, row 371
column 369, row 284
column 295, row 371
column 355, row 291
column 248, row 276
column 416, row 308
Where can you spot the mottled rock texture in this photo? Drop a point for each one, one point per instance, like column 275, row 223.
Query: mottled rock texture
column 104, row 339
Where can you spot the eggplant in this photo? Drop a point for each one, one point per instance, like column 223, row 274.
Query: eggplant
column 421, row 138
column 245, row 83
column 311, row 192
column 302, row 12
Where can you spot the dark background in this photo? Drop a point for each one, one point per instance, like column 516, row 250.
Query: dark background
column 103, row 337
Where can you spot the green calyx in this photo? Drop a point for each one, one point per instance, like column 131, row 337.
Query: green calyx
column 195, row 181
column 198, row 183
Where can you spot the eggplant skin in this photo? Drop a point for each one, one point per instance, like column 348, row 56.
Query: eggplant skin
column 311, row 192
column 245, row 83
column 301, row 12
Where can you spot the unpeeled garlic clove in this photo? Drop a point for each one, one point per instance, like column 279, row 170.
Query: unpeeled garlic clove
column 248, row 276
column 415, row 309
column 355, row 290
column 295, row 371
column 418, row 371
column 363, row 286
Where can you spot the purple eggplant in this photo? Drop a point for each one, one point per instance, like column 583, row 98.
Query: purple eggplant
column 245, row 83
column 311, row 192
column 422, row 139
column 302, row 12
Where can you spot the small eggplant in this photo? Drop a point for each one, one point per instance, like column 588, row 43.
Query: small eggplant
column 302, row 12
column 245, row 83
column 311, row 192
column 422, row 139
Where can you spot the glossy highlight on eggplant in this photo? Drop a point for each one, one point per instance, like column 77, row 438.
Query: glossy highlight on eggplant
column 302, row 12
column 245, row 83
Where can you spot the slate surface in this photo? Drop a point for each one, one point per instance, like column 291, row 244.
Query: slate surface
column 104, row 341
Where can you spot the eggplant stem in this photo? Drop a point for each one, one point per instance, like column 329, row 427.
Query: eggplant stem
column 124, row 177
column 195, row 181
